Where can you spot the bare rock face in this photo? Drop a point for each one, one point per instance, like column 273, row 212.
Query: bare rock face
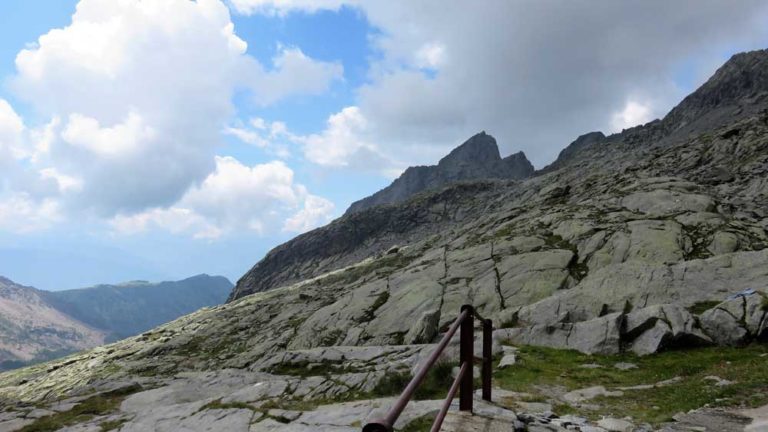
column 734, row 88
column 478, row 158
column 582, row 143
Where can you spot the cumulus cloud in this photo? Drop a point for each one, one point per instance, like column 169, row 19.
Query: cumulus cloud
column 273, row 137
column 117, row 141
column 344, row 142
column 340, row 140
column 11, row 132
column 236, row 197
column 317, row 211
column 633, row 114
column 282, row 7
column 535, row 74
column 20, row 212
column 138, row 94
column 293, row 73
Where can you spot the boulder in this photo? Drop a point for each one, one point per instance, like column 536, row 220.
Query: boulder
column 509, row 358
column 652, row 329
column 597, row 336
column 739, row 319
column 616, row 425
column 724, row 242
column 425, row 328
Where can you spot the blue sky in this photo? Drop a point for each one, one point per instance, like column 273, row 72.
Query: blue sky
column 161, row 139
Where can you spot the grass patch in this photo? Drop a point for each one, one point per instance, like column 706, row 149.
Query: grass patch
column 370, row 313
column 700, row 240
column 549, row 367
column 305, row 369
column 94, row 406
column 555, row 241
column 421, row 424
column 386, row 264
column 112, row 425
column 701, row 307
column 435, row 385
column 218, row 405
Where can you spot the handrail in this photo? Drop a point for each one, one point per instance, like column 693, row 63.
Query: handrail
column 463, row 381
column 451, row 394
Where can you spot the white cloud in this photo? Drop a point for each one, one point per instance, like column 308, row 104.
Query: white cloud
column 273, row 137
column 174, row 220
column 146, row 88
column 431, row 55
column 138, row 94
column 345, row 142
column 282, row 7
column 11, row 132
column 64, row 182
column 235, row 198
column 317, row 211
column 120, row 140
column 535, row 74
column 22, row 213
column 293, row 73
column 247, row 136
column 633, row 114
column 340, row 140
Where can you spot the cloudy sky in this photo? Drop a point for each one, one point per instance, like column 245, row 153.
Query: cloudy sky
column 157, row 139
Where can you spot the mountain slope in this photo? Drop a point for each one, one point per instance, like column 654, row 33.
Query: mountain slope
column 32, row 330
column 374, row 230
column 477, row 159
column 649, row 240
column 38, row 325
column 132, row 308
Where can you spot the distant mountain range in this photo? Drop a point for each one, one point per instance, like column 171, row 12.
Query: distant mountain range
column 38, row 325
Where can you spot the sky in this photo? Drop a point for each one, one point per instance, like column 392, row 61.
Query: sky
column 159, row 139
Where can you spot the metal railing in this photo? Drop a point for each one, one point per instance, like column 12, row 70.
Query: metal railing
column 464, row 382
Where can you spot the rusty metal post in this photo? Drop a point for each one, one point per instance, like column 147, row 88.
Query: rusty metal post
column 487, row 358
column 377, row 427
column 467, row 355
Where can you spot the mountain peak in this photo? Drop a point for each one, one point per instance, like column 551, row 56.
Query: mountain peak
column 481, row 148
column 735, row 89
column 477, row 158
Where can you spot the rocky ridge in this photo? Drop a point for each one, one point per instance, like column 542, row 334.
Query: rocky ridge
column 651, row 239
column 476, row 159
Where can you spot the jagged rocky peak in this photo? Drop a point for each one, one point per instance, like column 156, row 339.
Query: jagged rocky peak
column 573, row 149
column 737, row 88
column 480, row 149
column 476, row 159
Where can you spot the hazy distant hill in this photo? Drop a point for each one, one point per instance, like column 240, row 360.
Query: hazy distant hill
column 31, row 329
column 128, row 309
column 38, row 325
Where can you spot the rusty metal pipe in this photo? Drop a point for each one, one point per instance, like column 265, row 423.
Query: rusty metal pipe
column 451, row 394
column 387, row 423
